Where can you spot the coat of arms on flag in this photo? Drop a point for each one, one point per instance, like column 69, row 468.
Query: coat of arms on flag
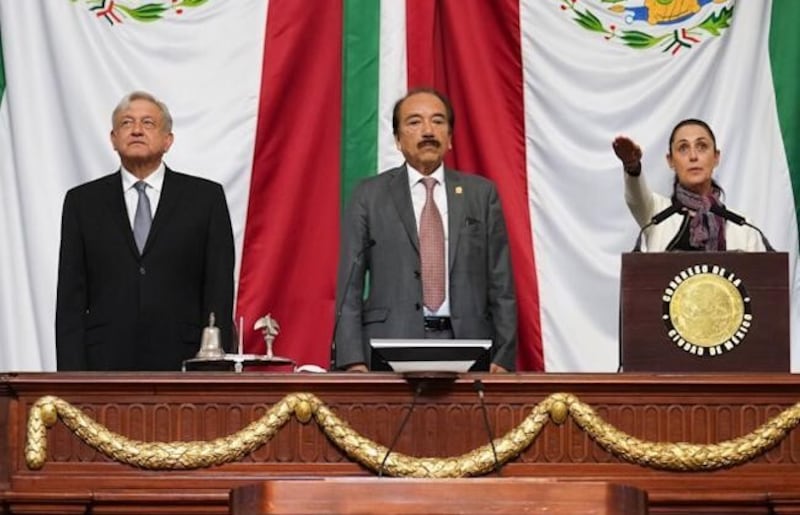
column 116, row 11
column 643, row 24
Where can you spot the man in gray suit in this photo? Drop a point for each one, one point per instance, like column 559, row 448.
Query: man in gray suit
column 383, row 240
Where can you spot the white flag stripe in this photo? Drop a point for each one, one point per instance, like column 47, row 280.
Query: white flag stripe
column 66, row 70
column 18, row 273
column 580, row 92
column 393, row 77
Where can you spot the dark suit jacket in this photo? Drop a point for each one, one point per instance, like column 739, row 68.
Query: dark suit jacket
column 482, row 302
column 117, row 310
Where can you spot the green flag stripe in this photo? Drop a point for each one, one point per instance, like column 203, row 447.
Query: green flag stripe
column 784, row 48
column 359, row 92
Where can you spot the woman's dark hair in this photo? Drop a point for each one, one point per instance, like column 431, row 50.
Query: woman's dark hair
column 701, row 123
column 690, row 121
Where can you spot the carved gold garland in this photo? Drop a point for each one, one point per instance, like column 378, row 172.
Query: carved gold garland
column 557, row 407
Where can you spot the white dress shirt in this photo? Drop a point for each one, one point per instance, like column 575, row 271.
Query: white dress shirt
column 155, row 182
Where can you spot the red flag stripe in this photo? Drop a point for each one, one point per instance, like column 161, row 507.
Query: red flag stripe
column 471, row 51
column 291, row 236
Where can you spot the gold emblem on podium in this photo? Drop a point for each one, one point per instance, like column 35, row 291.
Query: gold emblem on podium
column 706, row 310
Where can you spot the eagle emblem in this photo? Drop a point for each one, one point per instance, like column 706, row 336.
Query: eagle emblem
column 143, row 11
column 668, row 25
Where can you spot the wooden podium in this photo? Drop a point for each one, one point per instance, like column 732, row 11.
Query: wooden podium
column 441, row 496
column 704, row 312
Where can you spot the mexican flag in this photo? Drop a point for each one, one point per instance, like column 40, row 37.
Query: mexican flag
column 288, row 104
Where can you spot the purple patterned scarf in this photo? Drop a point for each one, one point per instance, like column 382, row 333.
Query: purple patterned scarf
column 706, row 230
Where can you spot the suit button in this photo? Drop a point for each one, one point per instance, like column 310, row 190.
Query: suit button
column 417, row 274
column 418, row 306
column 142, row 271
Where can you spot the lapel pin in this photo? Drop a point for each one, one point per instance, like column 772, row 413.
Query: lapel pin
column 459, row 190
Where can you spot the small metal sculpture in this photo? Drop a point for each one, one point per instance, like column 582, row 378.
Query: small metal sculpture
column 269, row 328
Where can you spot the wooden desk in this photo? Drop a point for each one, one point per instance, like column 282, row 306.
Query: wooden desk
column 499, row 496
column 448, row 422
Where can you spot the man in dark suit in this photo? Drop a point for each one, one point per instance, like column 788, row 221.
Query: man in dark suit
column 146, row 255
column 384, row 233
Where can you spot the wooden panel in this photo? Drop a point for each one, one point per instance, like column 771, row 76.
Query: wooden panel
column 447, row 422
column 441, row 496
column 5, row 442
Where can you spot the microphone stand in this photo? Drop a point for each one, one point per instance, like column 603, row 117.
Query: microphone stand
column 478, row 386
column 729, row 215
column 657, row 219
column 368, row 245
column 764, row 240
column 414, row 399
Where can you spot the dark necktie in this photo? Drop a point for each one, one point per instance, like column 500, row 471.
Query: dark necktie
column 431, row 246
column 143, row 217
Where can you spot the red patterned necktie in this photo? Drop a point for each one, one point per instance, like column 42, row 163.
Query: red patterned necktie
column 431, row 247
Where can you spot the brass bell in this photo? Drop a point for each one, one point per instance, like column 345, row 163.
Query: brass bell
column 210, row 347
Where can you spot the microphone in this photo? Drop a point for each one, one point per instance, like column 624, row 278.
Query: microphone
column 722, row 211
column 368, row 245
column 417, row 392
column 657, row 219
column 478, row 386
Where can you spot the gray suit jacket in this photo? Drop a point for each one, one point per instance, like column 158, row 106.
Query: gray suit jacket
column 482, row 302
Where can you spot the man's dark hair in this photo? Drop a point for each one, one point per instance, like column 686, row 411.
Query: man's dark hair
column 448, row 107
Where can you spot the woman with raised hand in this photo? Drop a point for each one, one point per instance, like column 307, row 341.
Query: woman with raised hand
column 695, row 209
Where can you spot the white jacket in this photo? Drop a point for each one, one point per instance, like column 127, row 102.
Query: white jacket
column 644, row 204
